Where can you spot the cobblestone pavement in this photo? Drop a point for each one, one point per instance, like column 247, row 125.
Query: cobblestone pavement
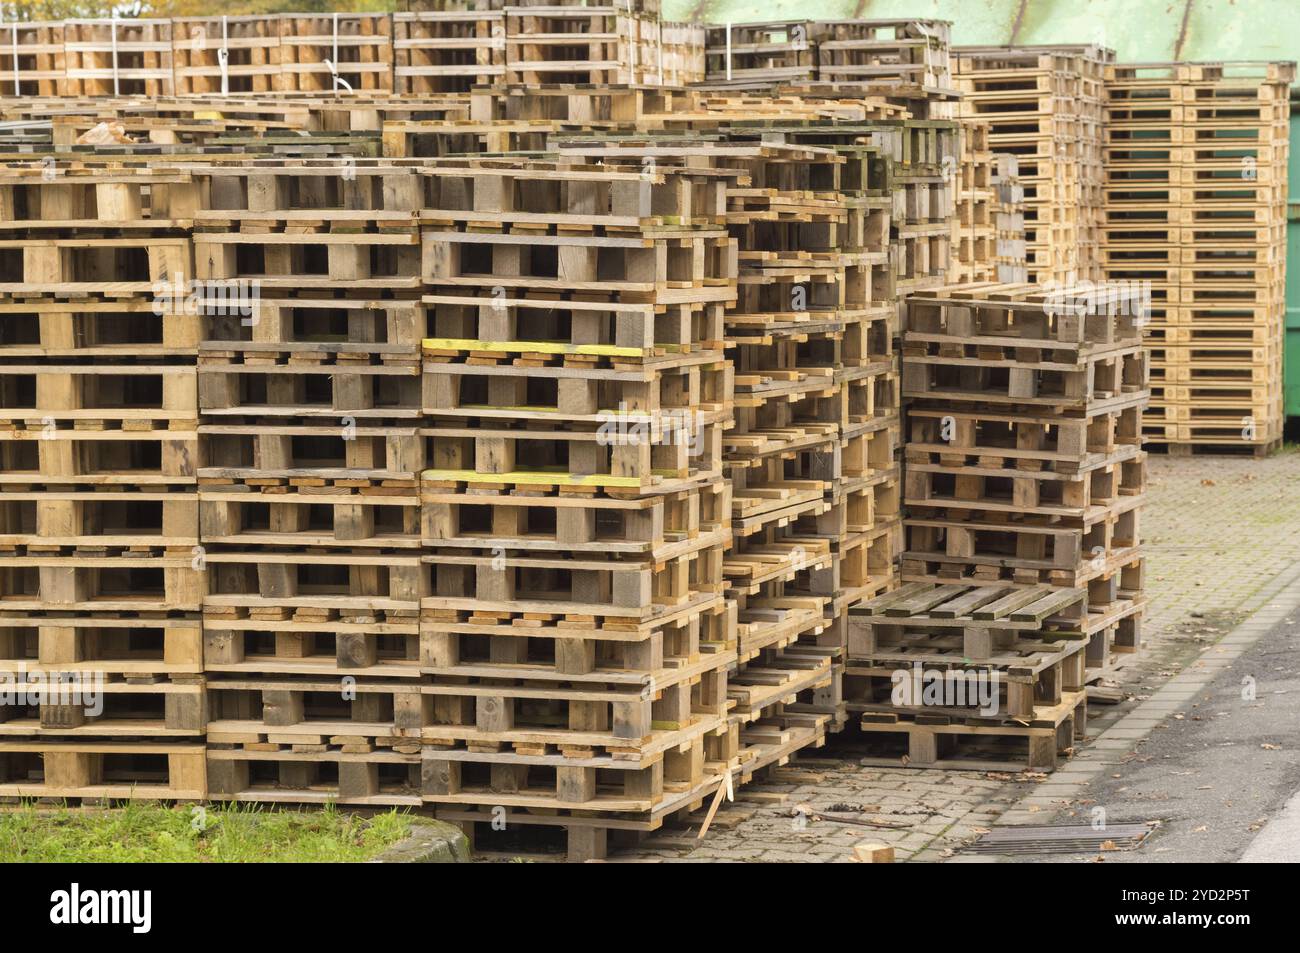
column 1216, row 530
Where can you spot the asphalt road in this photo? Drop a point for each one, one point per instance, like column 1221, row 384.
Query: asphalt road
column 1223, row 780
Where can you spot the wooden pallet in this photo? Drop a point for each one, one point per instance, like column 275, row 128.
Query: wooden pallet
column 345, row 51
column 578, row 44
column 129, row 644
column 91, row 771
column 225, row 55
column 35, row 65
column 942, row 741
column 315, row 774
column 118, row 57
column 104, row 706
column 110, row 579
column 447, row 51
column 1026, row 641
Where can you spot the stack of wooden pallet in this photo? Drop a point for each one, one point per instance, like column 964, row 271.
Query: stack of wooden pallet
column 812, row 352
column 973, row 235
column 1044, row 106
column 575, row 513
column 923, row 155
column 1008, row 221
column 970, row 677
column 100, row 577
column 1023, row 461
column 910, row 57
column 810, row 458
column 309, row 389
column 1196, row 210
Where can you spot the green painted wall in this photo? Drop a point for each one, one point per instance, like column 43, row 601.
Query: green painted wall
column 1138, row 30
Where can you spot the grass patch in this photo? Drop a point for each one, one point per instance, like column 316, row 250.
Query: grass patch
column 225, row 834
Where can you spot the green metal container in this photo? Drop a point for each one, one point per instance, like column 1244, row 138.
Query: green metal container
column 1291, row 348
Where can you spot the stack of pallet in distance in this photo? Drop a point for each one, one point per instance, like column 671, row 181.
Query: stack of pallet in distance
column 1196, row 198
column 36, row 54
column 250, row 46
column 335, row 52
column 970, row 677
column 117, row 57
column 923, row 154
column 1044, row 106
column 576, row 43
column 447, row 50
column 906, row 58
column 973, row 238
column 1023, row 461
column 1008, row 221
column 100, row 576
column 575, row 623
column 309, row 387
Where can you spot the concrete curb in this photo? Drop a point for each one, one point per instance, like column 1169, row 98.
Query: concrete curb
column 430, row 842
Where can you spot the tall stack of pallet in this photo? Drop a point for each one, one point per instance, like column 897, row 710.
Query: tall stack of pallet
column 811, row 456
column 1008, row 221
column 802, row 334
column 100, row 575
column 1024, row 463
column 973, row 235
column 1195, row 209
column 1044, row 106
column 575, row 625
column 309, row 389
column 924, row 153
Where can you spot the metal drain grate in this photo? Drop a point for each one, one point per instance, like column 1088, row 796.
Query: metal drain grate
column 1066, row 839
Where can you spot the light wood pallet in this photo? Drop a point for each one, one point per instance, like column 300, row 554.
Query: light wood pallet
column 579, row 44
column 342, row 51
column 93, row 771
column 447, row 51
column 118, row 57
column 226, row 55
column 1200, row 221
column 34, row 65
